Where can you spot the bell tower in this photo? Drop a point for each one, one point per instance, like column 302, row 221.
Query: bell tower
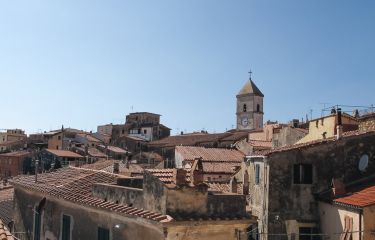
column 249, row 107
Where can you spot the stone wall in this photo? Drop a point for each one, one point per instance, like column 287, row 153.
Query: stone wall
column 84, row 220
column 119, row 194
column 367, row 125
column 338, row 159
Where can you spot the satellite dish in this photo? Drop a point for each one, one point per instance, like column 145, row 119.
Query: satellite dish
column 363, row 163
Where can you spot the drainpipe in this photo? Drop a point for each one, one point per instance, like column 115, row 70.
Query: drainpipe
column 360, row 225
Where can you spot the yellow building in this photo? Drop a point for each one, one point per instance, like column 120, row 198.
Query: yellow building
column 326, row 127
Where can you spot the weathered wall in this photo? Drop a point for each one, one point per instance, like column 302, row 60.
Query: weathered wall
column 154, row 194
column 208, row 230
column 85, row 220
column 367, row 124
column 332, row 220
column 369, row 222
column 119, row 194
column 338, row 159
column 287, row 136
column 221, row 205
column 186, row 202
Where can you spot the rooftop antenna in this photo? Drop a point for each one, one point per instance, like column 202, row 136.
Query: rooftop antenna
column 250, row 72
column 132, row 108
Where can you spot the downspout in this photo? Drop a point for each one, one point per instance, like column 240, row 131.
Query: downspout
column 360, row 224
column 265, row 198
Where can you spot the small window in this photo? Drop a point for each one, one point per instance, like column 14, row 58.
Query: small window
column 258, row 108
column 123, row 131
column 244, row 108
column 37, row 221
column 103, row 233
column 57, row 147
column 257, row 174
column 317, row 123
column 58, row 137
column 65, row 231
column 303, row 174
column 145, row 131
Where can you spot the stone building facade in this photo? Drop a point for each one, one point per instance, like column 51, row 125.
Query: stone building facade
column 283, row 183
column 75, row 203
column 12, row 163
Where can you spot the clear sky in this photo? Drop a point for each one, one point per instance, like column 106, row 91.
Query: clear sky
column 83, row 63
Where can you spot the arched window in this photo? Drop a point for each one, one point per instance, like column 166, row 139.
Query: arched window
column 244, row 108
column 258, row 108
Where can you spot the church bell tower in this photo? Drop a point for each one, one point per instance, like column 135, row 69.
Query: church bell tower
column 250, row 107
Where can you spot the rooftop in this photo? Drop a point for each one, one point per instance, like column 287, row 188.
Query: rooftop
column 64, row 153
column 75, row 185
column 210, row 154
column 250, row 87
column 107, row 166
column 196, row 138
column 15, row 154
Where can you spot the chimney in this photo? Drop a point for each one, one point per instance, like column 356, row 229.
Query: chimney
column 116, row 167
column 179, row 176
column 339, row 124
column 356, row 113
column 196, row 172
column 338, row 188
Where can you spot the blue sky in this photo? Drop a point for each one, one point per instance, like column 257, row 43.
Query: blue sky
column 85, row 63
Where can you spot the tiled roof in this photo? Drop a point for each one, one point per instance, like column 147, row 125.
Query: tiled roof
column 114, row 149
column 362, row 198
column 75, row 185
column 4, row 232
column 64, row 153
column 166, row 175
column 189, row 139
column 6, row 204
column 107, row 166
column 220, row 167
column 236, row 136
column 15, row 154
column 210, row 154
column 89, row 137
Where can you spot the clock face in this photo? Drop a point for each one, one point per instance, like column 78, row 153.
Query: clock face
column 245, row 121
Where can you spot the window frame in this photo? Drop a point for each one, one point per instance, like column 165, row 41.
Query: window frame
column 69, row 237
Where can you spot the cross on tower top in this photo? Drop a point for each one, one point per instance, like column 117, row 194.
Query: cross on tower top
column 250, row 72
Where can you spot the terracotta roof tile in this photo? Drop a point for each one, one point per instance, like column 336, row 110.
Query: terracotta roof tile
column 64, row 153
column 362, row 198
column 134, row 170
column 4, row 232
column 6, row 204
column 210, row 154
column 74, row 185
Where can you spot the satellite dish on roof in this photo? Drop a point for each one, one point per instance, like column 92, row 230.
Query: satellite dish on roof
column 363, row 163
